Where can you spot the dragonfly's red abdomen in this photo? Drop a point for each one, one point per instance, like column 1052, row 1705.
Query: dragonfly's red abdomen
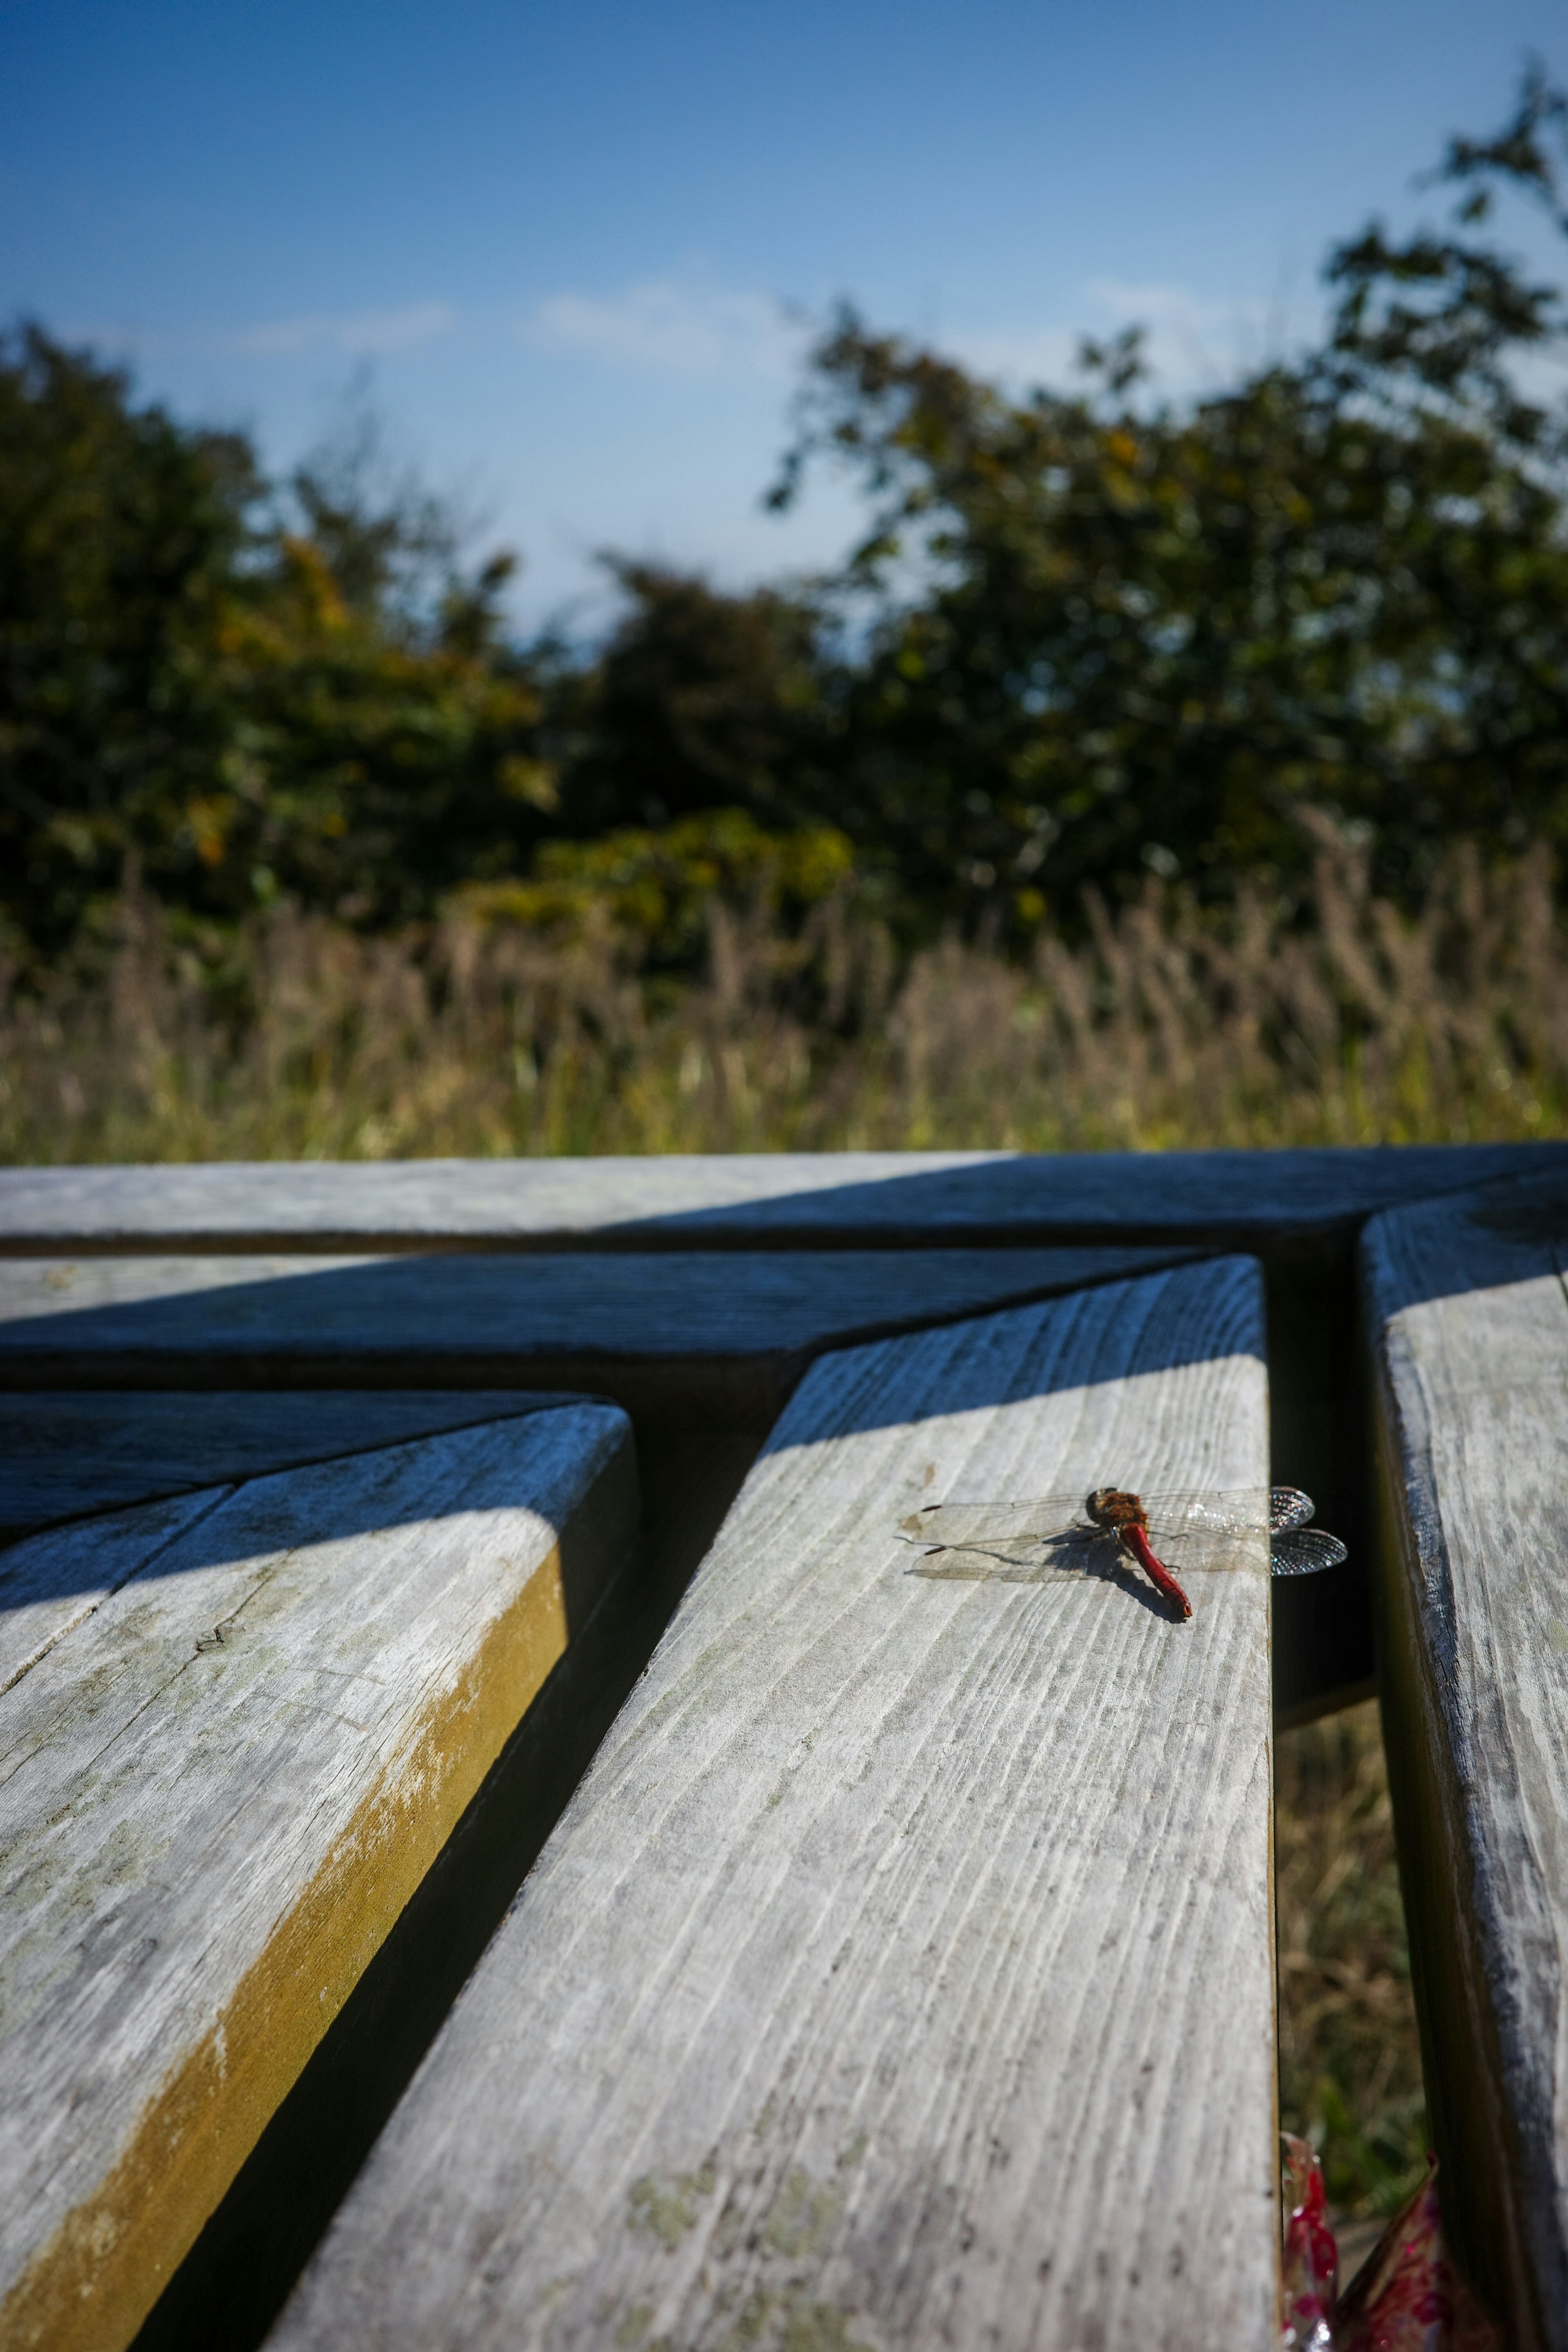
column 1137, row 1541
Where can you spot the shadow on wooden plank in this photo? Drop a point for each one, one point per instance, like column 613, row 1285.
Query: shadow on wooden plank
column 1323, row 1420
column 236, row 2277
column 1300, row 1209
column 55, row 1567
column 69, row 1454
column 229, row 2290
column 730, row 1336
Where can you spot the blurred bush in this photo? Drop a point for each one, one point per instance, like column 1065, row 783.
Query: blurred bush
column 652, row 893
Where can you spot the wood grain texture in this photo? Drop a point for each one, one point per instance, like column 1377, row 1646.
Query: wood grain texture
column 241, row 2270
column 217, row 1791
column 46, row 1589
column 619, row 1325
column 748, row 1201
column 65, row 1454
column 901, row 1972
column 1470, row 1322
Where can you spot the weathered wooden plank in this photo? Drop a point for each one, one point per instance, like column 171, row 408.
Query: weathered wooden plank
column 65, row 1454
column 733, row 1330
column 44, row 1594
column 717, row 1337
column 239, row 2274
column 901, row 1972
column 746, row 1201
column 217, row 1791
column 1470, row 1326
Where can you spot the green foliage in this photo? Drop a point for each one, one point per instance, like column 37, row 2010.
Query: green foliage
column 698, row 700
column 650, row 892
column 233, row 708
column 1143, row 638
column 363, row 771
column 122, row 536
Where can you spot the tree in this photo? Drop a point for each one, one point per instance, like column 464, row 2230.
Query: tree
column 1141, row 637
column 240, row 707
column 122, row 536
column 1087, row 635
column 698, row 700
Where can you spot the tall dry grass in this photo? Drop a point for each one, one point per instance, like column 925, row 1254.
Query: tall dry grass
column 1349, row 1023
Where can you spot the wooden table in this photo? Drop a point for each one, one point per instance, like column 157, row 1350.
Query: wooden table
column 507, row 1844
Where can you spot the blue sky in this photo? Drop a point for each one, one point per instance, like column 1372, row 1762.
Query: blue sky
column 565, row 246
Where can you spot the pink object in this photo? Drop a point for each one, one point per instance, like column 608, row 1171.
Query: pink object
column 1405, row 2297
column 1311, row 2257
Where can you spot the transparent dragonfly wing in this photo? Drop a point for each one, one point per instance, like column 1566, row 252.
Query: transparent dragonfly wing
column 960, row 1524
column 1302, row 1551
column 1051, row 1535
column 1243, row 1511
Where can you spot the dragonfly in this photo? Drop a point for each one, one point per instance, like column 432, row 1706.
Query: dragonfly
column 1064, row 1534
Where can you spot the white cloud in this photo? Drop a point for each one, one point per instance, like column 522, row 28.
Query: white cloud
column 1193, row 345
column 667, row 327
column 1195, row 342
column 1025, row 355
column 681, row 326
column 366, row 332
column 1190, row 343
